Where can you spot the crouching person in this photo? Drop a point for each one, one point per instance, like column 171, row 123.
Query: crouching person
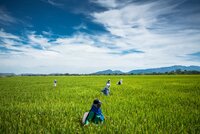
column 120, row 82
column 105, row 91
column 95, row 114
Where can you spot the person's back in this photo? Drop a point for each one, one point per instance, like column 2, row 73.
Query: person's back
column 106, row 91
column 120, row 82
column 95, row 114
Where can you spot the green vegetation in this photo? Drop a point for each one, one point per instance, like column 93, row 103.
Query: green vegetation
column 143, row 104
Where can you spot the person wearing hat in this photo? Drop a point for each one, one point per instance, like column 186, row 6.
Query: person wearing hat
column 106, row 90
column 108, row 84
column 95, row 114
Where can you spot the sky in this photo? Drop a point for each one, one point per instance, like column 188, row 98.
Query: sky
column 85, row 36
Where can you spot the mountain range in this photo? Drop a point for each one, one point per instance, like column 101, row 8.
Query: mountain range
column 109, row 71
column 151, row 70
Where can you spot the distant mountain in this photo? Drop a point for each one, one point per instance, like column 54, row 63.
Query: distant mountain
column 178, row 69
column 109, row 72
column 151, row 70
column 165, row 69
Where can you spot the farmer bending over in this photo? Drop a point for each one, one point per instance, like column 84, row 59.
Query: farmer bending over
column 95, row 115
column 106, row 90
column 120, row 82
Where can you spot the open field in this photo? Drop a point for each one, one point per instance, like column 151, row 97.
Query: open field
column 143, row 104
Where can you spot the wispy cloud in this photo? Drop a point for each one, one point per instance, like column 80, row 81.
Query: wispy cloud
column 4, row 35
column 38, row 40
column 81, row 26
column 126, row 52
column 106, row 3
column 145, row 27
column 47, row 33
column 5, row 17
column 133, row 18
column 53, row 3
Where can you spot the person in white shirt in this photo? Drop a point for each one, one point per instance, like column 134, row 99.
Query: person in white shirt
column 55, row 83
column 106, row 90
column 108, row 84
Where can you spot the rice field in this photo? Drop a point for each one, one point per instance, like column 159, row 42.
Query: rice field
column 142, row 104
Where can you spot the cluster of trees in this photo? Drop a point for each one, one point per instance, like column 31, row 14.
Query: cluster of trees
column 178, row 71
column 55, row 74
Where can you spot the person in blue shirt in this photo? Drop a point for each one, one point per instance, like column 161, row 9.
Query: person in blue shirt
column 95, row 114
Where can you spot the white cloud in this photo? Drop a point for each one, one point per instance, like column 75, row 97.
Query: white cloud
column 35, row 40
column 8, row 35
column 106, row 3
column 64, row 53
column 133, row 24
column 78, row 55
column 48, row 33
column 131, row 19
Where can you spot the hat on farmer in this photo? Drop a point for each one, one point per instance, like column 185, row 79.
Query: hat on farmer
column 96, row 101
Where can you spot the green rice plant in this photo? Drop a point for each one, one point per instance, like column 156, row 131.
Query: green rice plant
column 142, row 104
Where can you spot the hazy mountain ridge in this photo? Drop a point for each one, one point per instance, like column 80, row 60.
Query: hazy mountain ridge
column 161, row 70
column 152, row 70
column 109, row 71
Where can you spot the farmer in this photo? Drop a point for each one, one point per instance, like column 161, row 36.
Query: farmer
column 95, row 115
column 120, row 82
column 55, row 83
column 106, row 89
column 108, row 84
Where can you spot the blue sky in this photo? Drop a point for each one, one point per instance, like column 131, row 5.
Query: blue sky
column 84, row 36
